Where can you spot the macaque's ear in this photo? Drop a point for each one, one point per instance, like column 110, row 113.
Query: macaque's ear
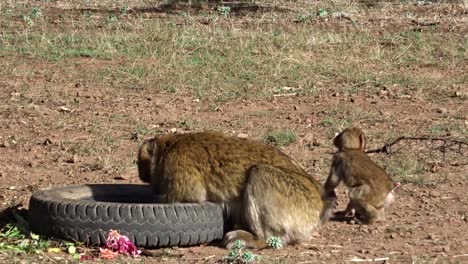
column 145, row 158
column 363, row 142
column 146, row 149
column 336, row 140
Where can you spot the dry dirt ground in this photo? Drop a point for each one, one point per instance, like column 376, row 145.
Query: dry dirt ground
column 59, row 127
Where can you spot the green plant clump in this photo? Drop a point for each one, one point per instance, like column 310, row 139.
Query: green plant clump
column 12, row 239
column 280, row 137
column 237, row 256
column 274, row 242
column 224, row 10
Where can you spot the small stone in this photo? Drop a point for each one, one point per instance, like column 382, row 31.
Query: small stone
column 47, row 142
column 461, row 94
column 242, row 135
column 72, row 159
column 442, row 110
column 5, row 144
column 295, row 107
column 393, row 236
column 446, row 249
column 134, row 136
column 434, row 193
column 309, row 140
column 173, row 130
column 318, row 142
column 64, row 109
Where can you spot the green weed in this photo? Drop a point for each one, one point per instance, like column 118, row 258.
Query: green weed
column 224, row 10
column 36, row 12
column 406, row 168
column 12, row 239
column 124, row 10
column 274, row 242
column 187, row 123
column 280, row 137
column 28, row 20
column 238, row 255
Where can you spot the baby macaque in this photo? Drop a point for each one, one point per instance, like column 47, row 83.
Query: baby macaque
column 370, row 188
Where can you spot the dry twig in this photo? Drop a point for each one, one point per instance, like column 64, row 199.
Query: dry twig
column 447, row 143
column 369, row 260
column 285, row 95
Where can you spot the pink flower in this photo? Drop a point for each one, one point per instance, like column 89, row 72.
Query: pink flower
column 113, row 239
column 127, row 247
column 118, row 243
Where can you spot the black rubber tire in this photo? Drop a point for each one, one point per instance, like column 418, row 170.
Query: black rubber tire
column 86, row 213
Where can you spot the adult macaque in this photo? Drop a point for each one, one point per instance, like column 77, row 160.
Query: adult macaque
column 264, row 192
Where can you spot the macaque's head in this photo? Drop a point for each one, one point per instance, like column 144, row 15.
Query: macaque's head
column 145, row 158
column 350, row 139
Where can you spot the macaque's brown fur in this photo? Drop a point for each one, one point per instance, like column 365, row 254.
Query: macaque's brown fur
column 264, row 192
column 369, row 185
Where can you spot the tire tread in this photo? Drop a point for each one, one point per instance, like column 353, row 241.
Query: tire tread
column 147, row 225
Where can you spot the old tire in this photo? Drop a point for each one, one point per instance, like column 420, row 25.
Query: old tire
column 87, row 212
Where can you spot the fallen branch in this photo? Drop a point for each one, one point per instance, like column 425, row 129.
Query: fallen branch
column 447, row 143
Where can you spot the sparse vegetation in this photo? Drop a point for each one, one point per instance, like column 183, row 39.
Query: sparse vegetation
column 274, row 242
column 12, row 239
column 218, row 62
column 124, row 10
column 224, row 10
column 36, row 12
column 280, row 137
column 239, row 255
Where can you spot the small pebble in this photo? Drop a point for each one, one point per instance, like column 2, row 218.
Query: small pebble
column 242, row 135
